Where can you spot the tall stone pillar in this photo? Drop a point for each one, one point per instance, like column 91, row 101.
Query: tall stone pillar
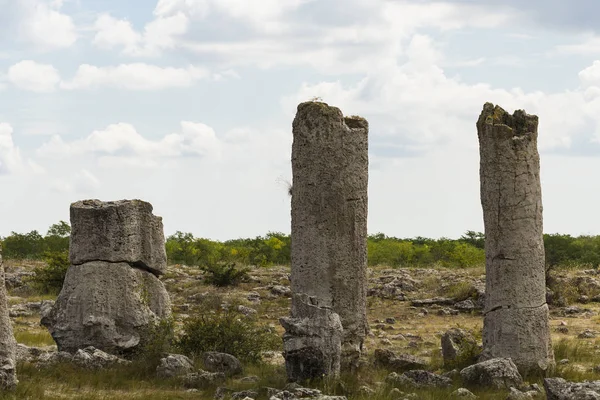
column 516, row 313
column 8, row 344
column 329, row 227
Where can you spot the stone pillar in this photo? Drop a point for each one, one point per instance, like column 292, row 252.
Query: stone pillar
column 516, row 313
column 329, row 220
column 8, row 344
column 111, row 294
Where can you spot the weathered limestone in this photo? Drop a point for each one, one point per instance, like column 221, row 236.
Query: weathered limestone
column 117, row 231
column 312, row 343
column 8, row 344
column 106, row 305
column 329, row 220
column 516, row 313
column 110, row 302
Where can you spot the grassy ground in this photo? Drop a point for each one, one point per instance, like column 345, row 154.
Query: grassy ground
column 414, row 332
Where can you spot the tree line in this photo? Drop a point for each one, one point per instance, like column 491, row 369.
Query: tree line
column 274, row 248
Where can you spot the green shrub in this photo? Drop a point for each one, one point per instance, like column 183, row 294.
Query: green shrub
column 159, row 340
column 227, row 332
column 221, row 275
column 49, row 278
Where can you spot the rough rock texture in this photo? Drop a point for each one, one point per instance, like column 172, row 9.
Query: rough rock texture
column 8, row 344
column 398, row 362
column 174, row 365
column 560, row 389
column 426, row 379
column 93, row 358
column 499, row 373
column 329, row 217
column 117, row 231
column 222, row 362
column 311, row 343
column 516, row 313
column 457, row 345
column 462, row 393
column 106, row 305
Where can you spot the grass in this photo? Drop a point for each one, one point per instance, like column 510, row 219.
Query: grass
column 36, row 338
column 138, row 381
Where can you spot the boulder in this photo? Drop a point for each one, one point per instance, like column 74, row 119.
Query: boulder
column 202, row 379
column 426, row 379
column 222, row 362
column 458, row 345
column 117, row 231
column 499, row 373
column 560, row 389
column 402, row 362
column 111, row 310
column 174, row 365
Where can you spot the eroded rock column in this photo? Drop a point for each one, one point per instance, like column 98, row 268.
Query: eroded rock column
column 111, row 294
column 8, row 344
column 516, row 313
column 329, row 235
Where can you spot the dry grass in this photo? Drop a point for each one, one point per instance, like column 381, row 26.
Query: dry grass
column 414, row 332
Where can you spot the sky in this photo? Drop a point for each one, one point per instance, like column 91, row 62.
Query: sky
column 188, row 104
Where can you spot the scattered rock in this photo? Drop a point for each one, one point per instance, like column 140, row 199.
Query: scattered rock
column 516, row 394
column 442, row 301
column 457, row 345
column 222, row 362
column 402, row 362
column 247, row 311
column 499, row 373
column 174, row 365
column 428, row 379
column 587, row 334
column 462, row 393
column 92, row 358
column 560, row 389
column 465, row 305
column 202, row 379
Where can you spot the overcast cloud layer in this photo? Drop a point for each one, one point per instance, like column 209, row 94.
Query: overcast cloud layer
column 188, row 104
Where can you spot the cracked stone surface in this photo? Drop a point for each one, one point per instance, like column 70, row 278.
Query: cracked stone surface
column 516, row 314
column 312, row 340
column 329, row 217
column 117, row 231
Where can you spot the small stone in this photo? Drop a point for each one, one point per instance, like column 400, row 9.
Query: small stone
column 462, row 393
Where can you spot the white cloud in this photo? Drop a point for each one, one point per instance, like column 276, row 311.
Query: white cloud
column 29, row 75
column 121, row 143
column 590, row 76
column 46, row 27
column 136, row 76
column 587, row 44
column 112, row 32
column 159, row 34
column 419, row 109
column 10, row 156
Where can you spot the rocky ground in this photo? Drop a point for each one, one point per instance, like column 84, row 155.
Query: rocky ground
column 409, row 310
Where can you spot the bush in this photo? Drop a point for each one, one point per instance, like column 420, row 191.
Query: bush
column 159, row 339
column 227, row 332
column 49, row 278
column 222, row 275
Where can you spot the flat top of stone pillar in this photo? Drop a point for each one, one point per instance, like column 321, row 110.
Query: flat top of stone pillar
column 323, row 109
column 519, row 122
column 95, row 204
